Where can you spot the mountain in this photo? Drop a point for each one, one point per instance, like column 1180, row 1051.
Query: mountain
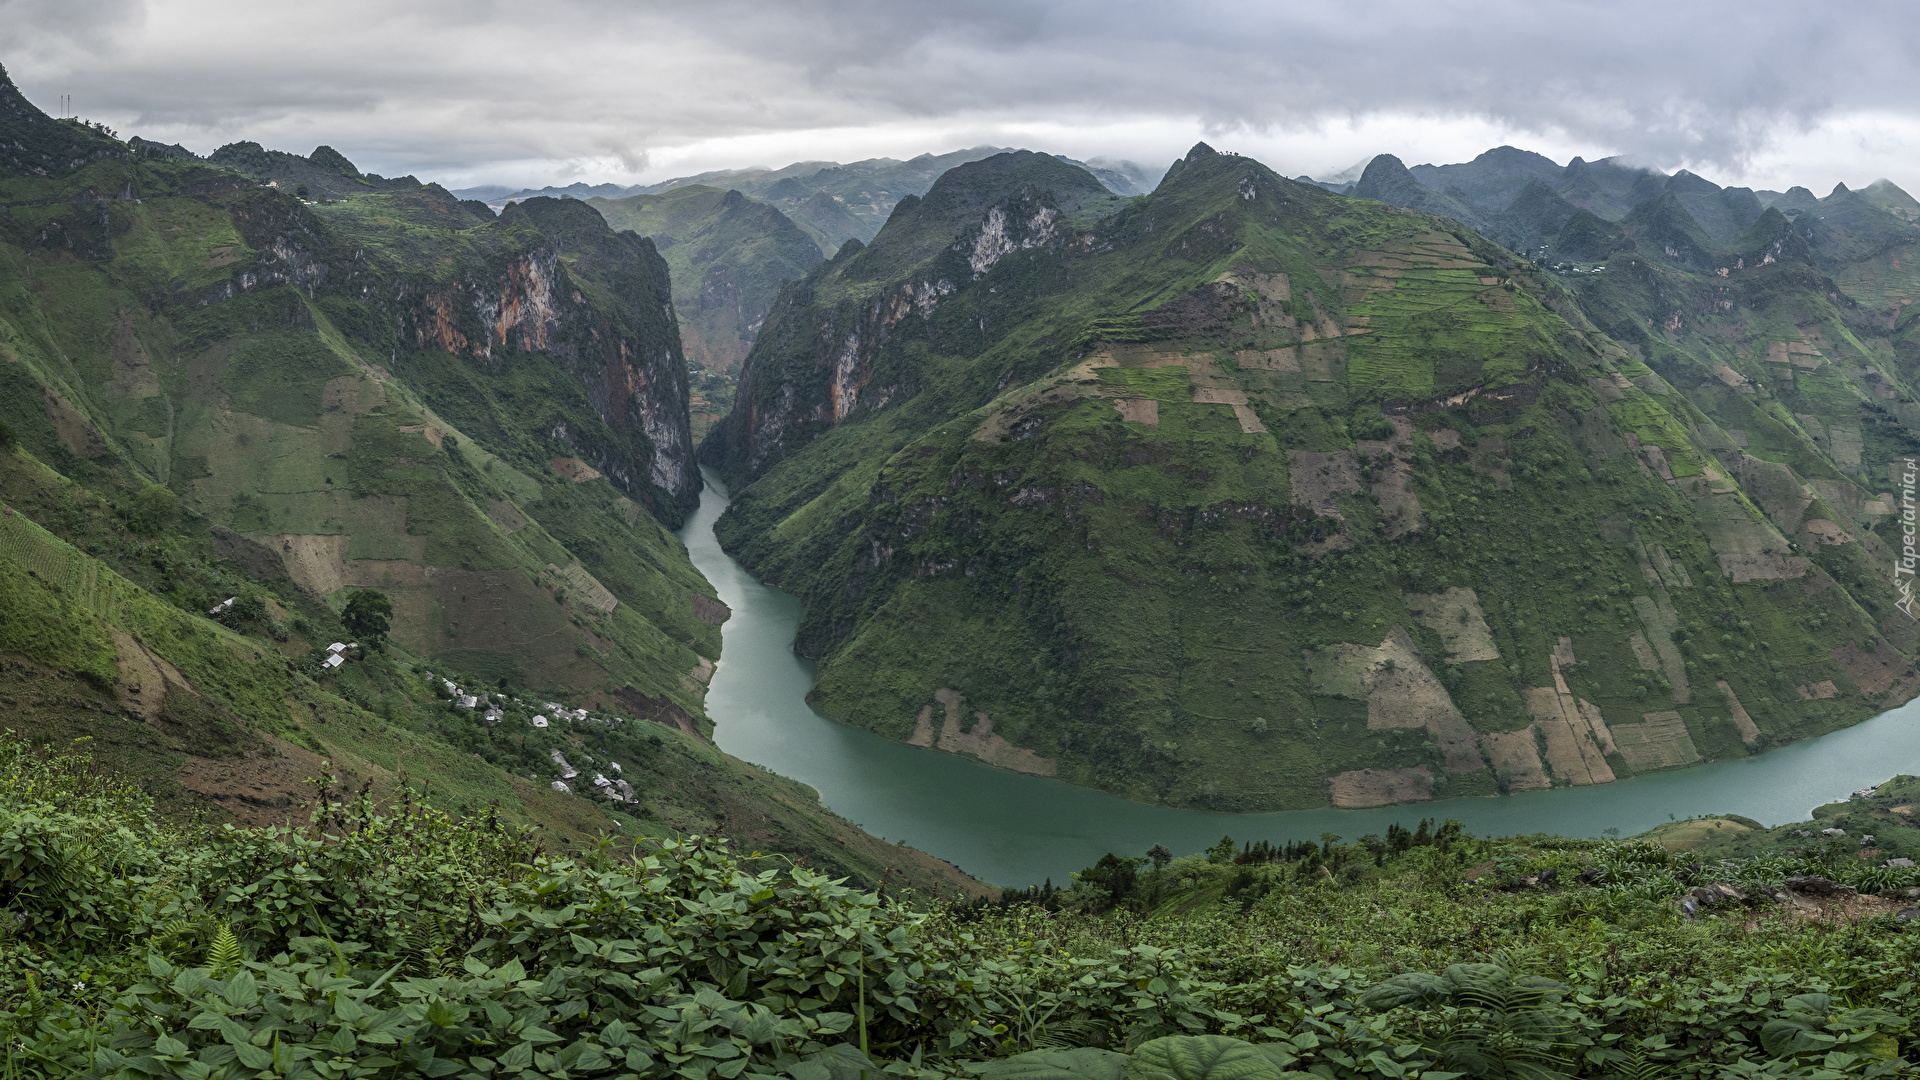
column 1888, row 196
column 822, row 216
column 1387, row 180
column 497, row 196
column 1249, row 496
column 727, row 256
column 1492, row 180
column 397, row 390
column 228, row 410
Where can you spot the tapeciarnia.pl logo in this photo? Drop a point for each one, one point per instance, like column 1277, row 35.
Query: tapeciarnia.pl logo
column 1908, row 556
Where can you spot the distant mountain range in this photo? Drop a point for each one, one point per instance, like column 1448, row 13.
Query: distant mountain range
column 1567, row 213
column 858, row 195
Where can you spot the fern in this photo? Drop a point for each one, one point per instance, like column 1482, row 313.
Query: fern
column 224, row 956
column 426, row 946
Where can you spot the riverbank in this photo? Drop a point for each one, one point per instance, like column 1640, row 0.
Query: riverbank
column 1017, row 830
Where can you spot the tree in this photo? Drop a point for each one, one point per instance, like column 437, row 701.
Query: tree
column 368, row 616
column 150, row 510
column 1160, row 856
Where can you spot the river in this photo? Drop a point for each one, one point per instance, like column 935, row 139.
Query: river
column 1018, row 830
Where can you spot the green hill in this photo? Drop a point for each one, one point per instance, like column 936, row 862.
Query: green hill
column 1248, row 496
column 212, row 390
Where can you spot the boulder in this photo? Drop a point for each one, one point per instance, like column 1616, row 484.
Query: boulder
column 1908, row 914
column 1696, row 900
column 1817, row 886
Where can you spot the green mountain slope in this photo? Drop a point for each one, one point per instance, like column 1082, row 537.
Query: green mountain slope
column 479, row 417
column 727, row 255
column 236, row 718
column 215, row 391
column 1247, row 496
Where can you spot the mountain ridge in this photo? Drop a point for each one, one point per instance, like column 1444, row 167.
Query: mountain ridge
column 1078, row 490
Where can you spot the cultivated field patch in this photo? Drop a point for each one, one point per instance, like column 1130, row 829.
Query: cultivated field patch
column 1661, row 742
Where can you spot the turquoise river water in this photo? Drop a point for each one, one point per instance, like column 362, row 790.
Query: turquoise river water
column 1018, row 830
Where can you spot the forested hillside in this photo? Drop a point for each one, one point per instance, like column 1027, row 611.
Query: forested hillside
column 1246, row 495
column 239, row 426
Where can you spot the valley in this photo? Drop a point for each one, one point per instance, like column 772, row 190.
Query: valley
column 989, row 614
column 1243, row 495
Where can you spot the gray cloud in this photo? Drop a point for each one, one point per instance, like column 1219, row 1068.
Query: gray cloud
column 437, row 86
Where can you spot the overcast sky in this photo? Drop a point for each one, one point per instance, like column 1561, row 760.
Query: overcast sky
column 464, row 92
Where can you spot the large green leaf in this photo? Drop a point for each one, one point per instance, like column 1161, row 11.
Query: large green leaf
column 1412, row 988
column 846, row 1062
column 1083, row 1063
column 1200, row 1057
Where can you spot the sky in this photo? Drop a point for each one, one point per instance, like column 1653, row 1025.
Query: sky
column 466, row 92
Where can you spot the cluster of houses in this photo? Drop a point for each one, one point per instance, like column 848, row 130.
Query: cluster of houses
column 613, row 790
column 336, row 653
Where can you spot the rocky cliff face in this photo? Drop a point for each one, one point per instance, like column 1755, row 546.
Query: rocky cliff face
column 816, row 365
column 523, row 298
column 512, row 287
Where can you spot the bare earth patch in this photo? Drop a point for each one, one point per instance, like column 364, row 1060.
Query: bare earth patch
column 1138, row 410
column 1576, row 737
column 144, row 677
column 1381, row 787
column 1400, row 692
column 1654, row 617
column 575, row 470
column 433, row 434
column 1874, row 671
column 1516, row 758
column 315, row 562
column 585, row 586
column 1456, row 616
column 979, row 742
column 1320, row 479
column 1822, row 531
column 506, row 515
column 1393, row 486
column 710, row 611
column 1749, row 731
column 256, row 789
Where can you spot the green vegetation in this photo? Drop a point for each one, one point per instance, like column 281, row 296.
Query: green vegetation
column 388, row 389
column 1248, row 496
column 368, row 616
column 240, row 427
column 728, row 256
column 414, row 942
